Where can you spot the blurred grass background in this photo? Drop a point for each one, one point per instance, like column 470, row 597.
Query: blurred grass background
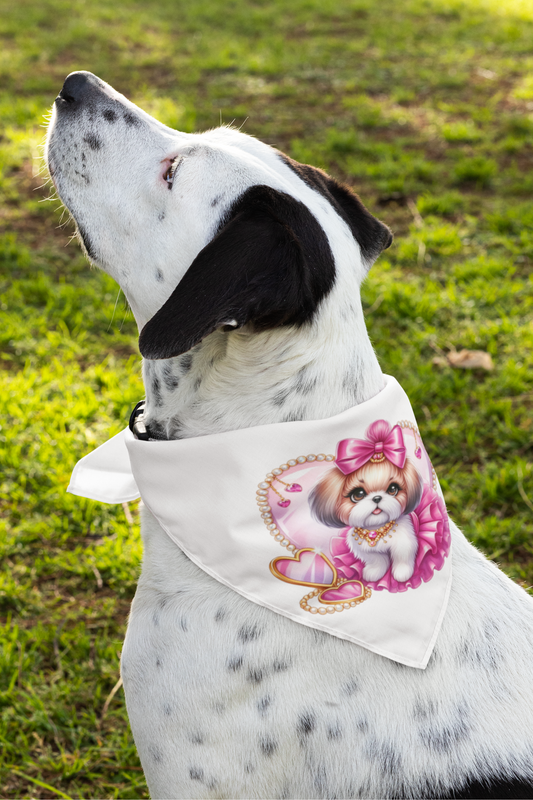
column 425, row 107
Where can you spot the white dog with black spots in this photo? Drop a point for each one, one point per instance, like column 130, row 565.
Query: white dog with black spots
column 243, row 270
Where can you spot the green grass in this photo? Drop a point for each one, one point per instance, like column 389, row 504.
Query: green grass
column 426, row 108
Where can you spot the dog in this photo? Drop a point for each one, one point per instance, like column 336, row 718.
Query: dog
column 243, row 270
column 372, row 499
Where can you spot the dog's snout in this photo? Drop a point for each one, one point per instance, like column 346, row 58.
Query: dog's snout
column 77, row 88
column 377, row 499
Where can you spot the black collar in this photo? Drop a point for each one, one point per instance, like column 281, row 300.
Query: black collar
column 136, row 424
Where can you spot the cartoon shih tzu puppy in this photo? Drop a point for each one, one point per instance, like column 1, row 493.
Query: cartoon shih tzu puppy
column 373, row 489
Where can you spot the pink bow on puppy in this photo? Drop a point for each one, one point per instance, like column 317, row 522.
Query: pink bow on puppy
column 353, row 453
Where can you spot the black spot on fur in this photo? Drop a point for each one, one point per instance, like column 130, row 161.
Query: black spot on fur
column 350, row 687
column 320, row 781
column 176, row 428
column 294, row 416
column 216, row 200
column 249, row 633
column 220, row 615
column 362, row 725
column 268, row 746
column 197, row 383
column 82, row 175
column 156, row 753
column 170, row 380
column 264, row 704
column 481, row 651
column 249, row 768
column 425, row 710
column 255, row 675
column 349, row 382
column 304, row 384
column 384, row 755
column 235, row 663
column 280, row 665
column 94, row 142
column 196, row 774
column 159, row 276
column 334, row 732
column 109, row 115
column 306, row 724
column 444, row 738
column 186, row 362
column 130, row 119
column 158, row 663
column 167, row 710
column 281, row 397
column 156, row 390
column 161, row 216
column 197, row 738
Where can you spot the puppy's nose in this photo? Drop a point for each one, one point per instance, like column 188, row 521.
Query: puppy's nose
column 377, row 499
column 77, row 88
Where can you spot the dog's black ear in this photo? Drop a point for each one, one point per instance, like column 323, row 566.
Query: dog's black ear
column 270, row 264
column 372, row 235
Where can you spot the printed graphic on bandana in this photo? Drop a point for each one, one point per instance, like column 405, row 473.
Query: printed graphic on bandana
column 370, row 517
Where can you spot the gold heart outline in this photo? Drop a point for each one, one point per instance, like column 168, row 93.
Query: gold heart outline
column 274, row 570
column 358, row 599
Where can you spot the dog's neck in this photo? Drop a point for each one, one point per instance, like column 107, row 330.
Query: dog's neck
column 242, row 379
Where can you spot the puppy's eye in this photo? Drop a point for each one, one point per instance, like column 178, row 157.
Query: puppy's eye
column 393, row 489
column 170, row 174
column 357, row 494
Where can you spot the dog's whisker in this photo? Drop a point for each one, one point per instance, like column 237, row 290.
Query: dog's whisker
column 114, row 309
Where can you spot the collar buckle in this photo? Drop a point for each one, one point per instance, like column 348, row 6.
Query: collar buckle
column 136, row 423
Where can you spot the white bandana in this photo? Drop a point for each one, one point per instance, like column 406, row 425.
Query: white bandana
column 338, row 523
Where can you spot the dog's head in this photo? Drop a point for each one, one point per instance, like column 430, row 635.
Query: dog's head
column 368, row 497
column 201, row 231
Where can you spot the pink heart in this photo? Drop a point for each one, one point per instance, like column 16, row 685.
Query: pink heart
column 307, row 568
column 350, row 590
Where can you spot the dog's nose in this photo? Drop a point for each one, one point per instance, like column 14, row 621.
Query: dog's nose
column 377, row 499
column 77, row 88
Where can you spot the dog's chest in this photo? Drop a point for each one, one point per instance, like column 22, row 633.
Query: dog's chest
column 227, row 699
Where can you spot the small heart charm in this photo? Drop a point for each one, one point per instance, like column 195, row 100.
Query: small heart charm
column 294, row 487
column 418, row 452
column 307, row 568
column 350, row 590
column 284, row 503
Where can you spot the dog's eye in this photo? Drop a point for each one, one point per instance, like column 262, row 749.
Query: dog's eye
column 393, row 489
column 357, row 494
column 170, row 174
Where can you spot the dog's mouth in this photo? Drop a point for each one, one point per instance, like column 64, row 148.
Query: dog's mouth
column 377, row 511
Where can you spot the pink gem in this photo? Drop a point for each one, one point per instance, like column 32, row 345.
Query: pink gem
column 418, row 452
column 372, row 535
column 284, row 503
column 294, row 487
